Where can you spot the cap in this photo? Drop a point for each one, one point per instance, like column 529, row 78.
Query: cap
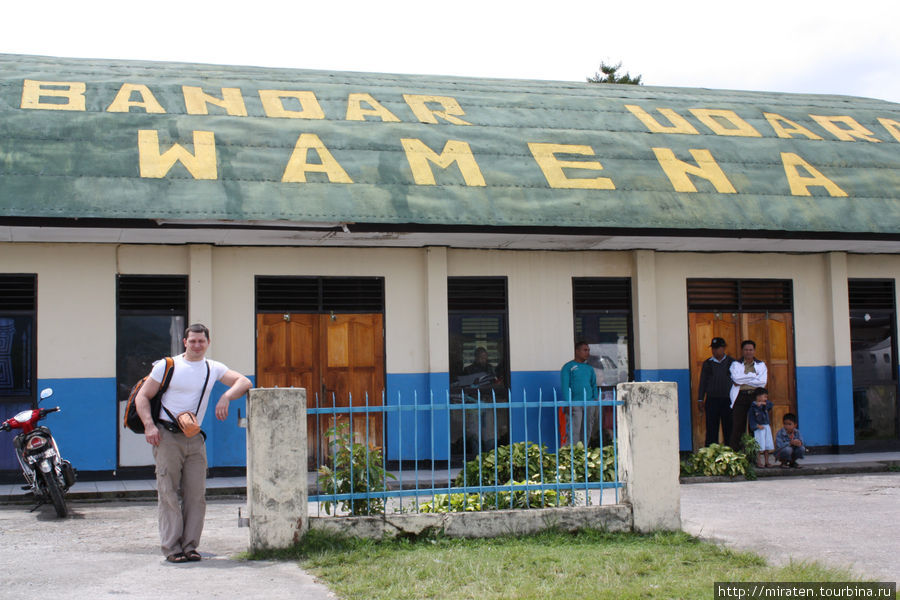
column 717, row 342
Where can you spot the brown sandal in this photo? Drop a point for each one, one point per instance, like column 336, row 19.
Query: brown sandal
column 193, row 555
column 177, row 558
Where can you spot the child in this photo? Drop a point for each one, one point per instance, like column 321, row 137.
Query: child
column 758, row 419
column 788, row 443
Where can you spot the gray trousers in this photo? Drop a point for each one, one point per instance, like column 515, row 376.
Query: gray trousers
column 181, row 490
column 577, row 426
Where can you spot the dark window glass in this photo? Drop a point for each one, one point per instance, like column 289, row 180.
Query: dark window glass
column 602, row 307
column 151, row 321
column 18, row 303
column 479, row 363
column 873, row 318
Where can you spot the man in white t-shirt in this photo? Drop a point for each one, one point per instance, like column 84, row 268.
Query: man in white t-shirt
column 181, row 460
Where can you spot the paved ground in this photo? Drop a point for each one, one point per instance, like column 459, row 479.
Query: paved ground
column 843, row 521
column 111, row 550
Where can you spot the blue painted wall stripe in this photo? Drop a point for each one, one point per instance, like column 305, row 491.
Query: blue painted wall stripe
column 88, row 426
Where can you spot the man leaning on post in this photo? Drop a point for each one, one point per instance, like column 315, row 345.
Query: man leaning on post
column 181, row 460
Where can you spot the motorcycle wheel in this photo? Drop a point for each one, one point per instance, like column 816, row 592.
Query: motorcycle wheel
column 56, row 495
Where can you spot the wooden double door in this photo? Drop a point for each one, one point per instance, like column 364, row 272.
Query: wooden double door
column 774, row 337
column 337, row 358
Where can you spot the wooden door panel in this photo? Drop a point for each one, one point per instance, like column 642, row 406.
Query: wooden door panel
column 355, row 347
column 773, row 334
column 702, row 328
column 335, row 358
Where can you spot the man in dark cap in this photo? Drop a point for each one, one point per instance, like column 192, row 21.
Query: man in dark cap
column 713, row 392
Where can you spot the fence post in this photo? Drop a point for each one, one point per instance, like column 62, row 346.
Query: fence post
column 276, row 467
column 648, row 453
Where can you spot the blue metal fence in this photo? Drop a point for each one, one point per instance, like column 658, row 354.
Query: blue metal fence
column 428, row 459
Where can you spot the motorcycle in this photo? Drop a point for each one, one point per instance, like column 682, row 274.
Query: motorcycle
column 48, row 476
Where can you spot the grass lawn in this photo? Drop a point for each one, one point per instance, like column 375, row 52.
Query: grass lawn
column 552, row 565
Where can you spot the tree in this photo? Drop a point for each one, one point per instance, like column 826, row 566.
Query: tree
column 609, row 74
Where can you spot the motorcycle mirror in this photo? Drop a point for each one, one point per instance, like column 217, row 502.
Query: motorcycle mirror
column 46, row 393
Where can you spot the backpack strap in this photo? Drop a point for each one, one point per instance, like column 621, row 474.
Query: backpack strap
column 164, row 385
column 203, row 391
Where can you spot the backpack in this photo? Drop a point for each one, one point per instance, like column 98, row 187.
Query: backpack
column 132, row 419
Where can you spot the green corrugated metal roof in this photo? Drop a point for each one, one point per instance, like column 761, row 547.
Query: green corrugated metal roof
column 59, row 159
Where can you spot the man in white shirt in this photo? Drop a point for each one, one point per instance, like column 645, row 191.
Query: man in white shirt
column 181, row 460
column 747, row 375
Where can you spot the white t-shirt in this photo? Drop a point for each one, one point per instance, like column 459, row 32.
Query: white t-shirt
column 183, row 392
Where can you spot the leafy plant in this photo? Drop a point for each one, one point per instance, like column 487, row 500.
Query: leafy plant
column 601, row 463
column 525, row 463
column 356, row 468
column 716, row 459
column 443, row 503
column 751, row 451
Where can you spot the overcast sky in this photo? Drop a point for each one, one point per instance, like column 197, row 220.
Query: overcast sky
column 824, row 46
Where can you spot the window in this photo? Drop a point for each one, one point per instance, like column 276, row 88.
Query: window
column 602, row 309
column 873, row 334
column 479, row 360
column 151, row 321
column 18, row 303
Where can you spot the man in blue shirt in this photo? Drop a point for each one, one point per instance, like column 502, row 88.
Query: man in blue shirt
column 578, row 382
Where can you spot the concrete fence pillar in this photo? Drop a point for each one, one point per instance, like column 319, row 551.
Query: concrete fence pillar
column 649, row 464
column 276, row 467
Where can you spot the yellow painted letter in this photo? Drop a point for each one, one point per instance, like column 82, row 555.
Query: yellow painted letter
column 455, row 151
column 846, row 134
column 71, row 91
column 123, row 102
column 419, row 106
column 154, row 165
column 775, row 121
column 892, row 126
column 274, row 107
column 355, row 111
column 799, row 185
column 677, row 170
column 679, row 123
column 739, row 127
column 545, row 155
column 195, row 101
column 298, row 167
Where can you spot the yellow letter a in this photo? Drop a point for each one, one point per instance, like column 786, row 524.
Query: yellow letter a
column 799, row 185
column 298, row 167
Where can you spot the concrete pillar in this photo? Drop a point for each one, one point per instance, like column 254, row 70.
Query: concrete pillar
column 276, row 467
column 646, row 329
column 437, row 326
column 842, row 380
column 200, row 286
column 648, row 453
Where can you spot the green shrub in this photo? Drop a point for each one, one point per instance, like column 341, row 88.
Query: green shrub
column 508, row 463
column 357, row 468
column 525, row 463
column 716, row 459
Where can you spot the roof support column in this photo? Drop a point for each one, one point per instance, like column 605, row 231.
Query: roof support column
column 841, row 373
column 437, row 327
column 200, row 285
column 646, row 329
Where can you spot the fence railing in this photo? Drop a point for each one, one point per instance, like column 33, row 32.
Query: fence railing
column 462, row 452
